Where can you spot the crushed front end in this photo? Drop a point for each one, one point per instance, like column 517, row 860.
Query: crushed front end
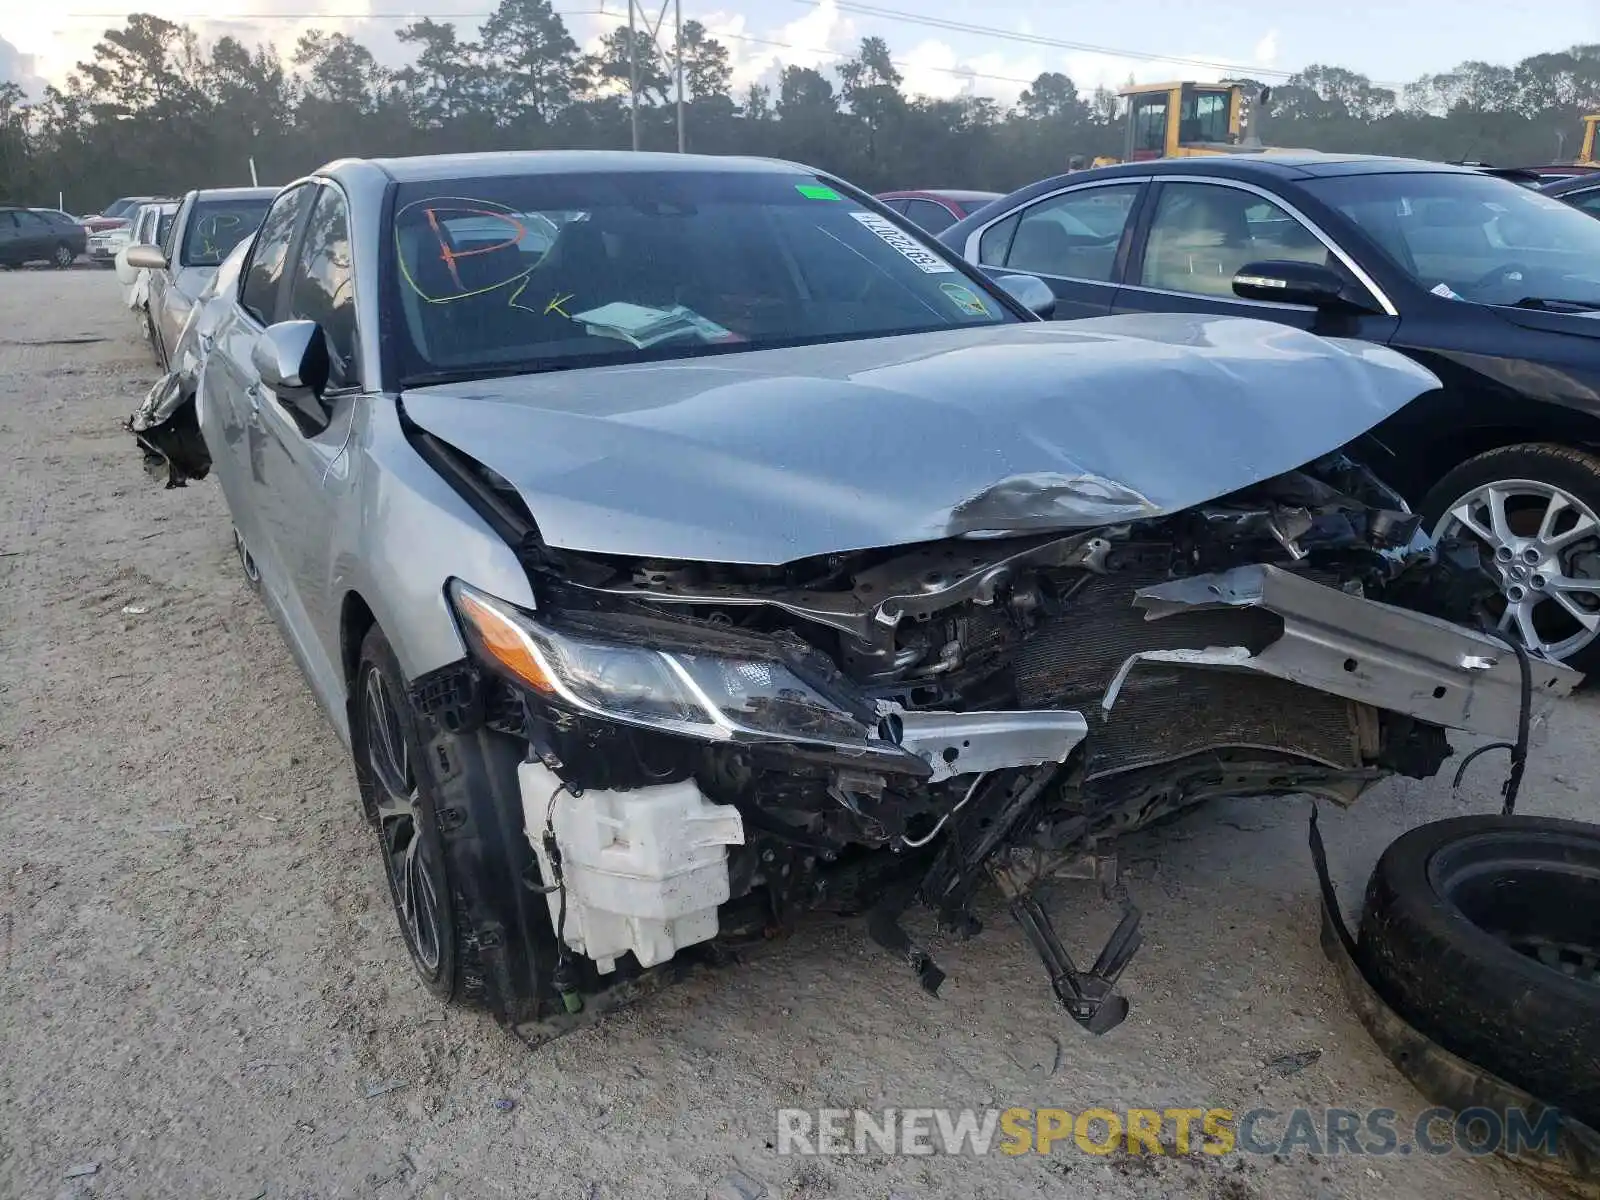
column 714, row 750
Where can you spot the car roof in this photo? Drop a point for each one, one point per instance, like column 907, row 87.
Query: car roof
column 1281, row 165
column 424, row 168
column 236, row 193
column 1571, row 183
column 959, row 195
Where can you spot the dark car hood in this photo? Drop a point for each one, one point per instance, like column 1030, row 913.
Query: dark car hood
column 1578, row 324
column 775, row 455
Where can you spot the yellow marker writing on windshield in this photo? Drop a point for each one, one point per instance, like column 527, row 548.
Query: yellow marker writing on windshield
column 555, row 305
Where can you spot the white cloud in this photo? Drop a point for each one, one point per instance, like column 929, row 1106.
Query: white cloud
column 1267, row 50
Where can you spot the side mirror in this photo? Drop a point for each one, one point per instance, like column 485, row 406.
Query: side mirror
column 1030, row 291
column 1289, row 282
column 291, row 358
column 147, row 257
column 127, row 273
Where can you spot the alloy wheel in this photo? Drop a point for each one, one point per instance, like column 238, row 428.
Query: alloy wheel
column 64, row 257
column 1543, row 545
column 413, row 878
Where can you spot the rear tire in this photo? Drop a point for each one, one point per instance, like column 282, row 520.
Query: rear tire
column 491, row 944
column 1484, row 933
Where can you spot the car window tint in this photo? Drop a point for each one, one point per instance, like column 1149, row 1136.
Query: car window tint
column 259, row 292
column 935, row 218
column 323, row 289
column 1075, row 234
column 31, row 222
column 1202, row 234
column 1588, row 201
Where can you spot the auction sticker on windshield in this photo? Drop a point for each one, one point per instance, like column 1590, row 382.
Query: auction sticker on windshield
column 925, row 260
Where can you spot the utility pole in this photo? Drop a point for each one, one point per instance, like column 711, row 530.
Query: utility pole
column 633, row 75
column 636, row 16
column 677, row 42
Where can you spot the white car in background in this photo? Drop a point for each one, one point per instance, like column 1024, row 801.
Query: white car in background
column 151, row 224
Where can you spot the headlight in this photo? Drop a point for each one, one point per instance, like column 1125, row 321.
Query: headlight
column 701, row 695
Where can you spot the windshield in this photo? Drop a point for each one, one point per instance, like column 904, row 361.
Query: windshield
column 547, row 271
column 1473, row 237
column 217, row 226
column 123, row 207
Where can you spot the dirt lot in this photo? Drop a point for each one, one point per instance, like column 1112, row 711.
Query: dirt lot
column 203, row 981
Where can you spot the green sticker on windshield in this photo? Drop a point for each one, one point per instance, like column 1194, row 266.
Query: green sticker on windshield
column 964, row 298
column 817, row 191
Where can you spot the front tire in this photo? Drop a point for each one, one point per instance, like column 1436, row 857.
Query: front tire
column 448, row 813
column 1534, row 510
column 63, row 257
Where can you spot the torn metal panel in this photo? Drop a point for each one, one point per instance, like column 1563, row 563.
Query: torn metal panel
column 968, row 743
column 1373, row 653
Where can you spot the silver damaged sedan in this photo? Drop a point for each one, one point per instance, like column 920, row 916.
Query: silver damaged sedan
column 685, row 544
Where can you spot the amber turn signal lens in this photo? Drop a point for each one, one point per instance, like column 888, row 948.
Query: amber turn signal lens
column 504, row 640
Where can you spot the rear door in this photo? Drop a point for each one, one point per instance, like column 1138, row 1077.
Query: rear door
column 231, row 389
column 1076, row 240
column 1200, row 232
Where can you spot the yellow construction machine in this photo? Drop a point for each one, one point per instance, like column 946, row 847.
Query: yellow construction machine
column 1179, row 120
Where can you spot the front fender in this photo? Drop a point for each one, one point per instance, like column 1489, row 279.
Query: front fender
column 408, row 534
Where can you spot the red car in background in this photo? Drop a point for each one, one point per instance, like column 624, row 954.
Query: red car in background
column 936, row 209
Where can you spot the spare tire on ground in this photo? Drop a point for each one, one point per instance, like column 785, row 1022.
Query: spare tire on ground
column 1484, row 933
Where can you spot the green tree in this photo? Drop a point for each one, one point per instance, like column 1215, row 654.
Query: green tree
column 532, row 59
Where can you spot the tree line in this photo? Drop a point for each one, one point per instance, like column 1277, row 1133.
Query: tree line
column 156, row 111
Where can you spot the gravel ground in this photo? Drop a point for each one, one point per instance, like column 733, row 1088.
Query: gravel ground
column 203, row 981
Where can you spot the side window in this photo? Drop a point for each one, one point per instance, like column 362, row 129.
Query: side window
column 1203, row 118
column 167, row 243
column 934, row 218
column 996, row 241
column 1147, row 124
column 898, row 206
column 324, row 287
column 1074, row 234
column 1202, row 234
column 1589, row 201
column 258, row 294
column 31, row 223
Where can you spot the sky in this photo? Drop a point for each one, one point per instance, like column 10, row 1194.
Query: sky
column 943, row 47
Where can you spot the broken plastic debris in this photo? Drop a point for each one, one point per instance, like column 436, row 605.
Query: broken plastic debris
column 505, row 1105
column 135, row 610
column 81, row 1170
column 388, row 1085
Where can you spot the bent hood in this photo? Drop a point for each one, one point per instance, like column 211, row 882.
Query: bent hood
column 768, row 456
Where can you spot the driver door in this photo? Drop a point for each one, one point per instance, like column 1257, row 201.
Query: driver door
column 304, row 468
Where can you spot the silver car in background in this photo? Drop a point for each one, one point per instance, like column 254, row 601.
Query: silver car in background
column 208, row 224
column 682, row 544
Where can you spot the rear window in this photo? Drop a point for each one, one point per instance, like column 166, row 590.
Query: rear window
column 217, row 226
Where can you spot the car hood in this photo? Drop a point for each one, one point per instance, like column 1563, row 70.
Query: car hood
column 775, row 455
